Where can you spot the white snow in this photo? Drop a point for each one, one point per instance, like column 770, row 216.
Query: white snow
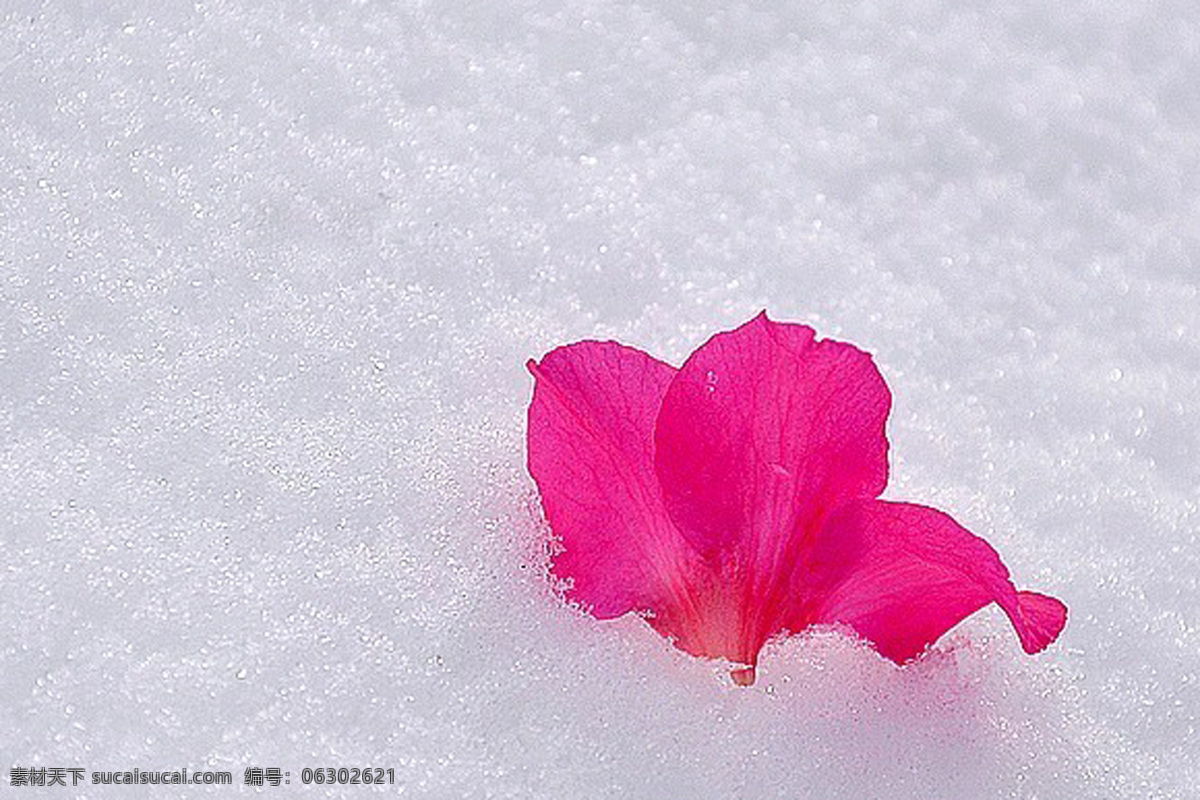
column 269, row 273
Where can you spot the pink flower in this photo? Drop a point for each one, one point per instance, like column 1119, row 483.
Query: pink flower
column 735, row 499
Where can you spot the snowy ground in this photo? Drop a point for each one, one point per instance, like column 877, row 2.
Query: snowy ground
column 269, row 274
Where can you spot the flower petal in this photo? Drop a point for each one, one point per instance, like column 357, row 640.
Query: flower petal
column 764, row 430
column 901, row 575
column 590, row 452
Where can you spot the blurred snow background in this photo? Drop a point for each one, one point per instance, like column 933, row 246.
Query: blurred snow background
column 269, row 274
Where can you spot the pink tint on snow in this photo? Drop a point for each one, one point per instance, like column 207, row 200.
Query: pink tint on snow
column 735, row 498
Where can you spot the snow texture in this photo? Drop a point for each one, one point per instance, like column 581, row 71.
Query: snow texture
column 269, row 275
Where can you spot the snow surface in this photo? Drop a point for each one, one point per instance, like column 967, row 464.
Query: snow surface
column 269, row 273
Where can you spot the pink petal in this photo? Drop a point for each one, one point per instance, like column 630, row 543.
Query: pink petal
column 590, row 452
column 901, row 575
column 765, row 429
column 762, row 432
